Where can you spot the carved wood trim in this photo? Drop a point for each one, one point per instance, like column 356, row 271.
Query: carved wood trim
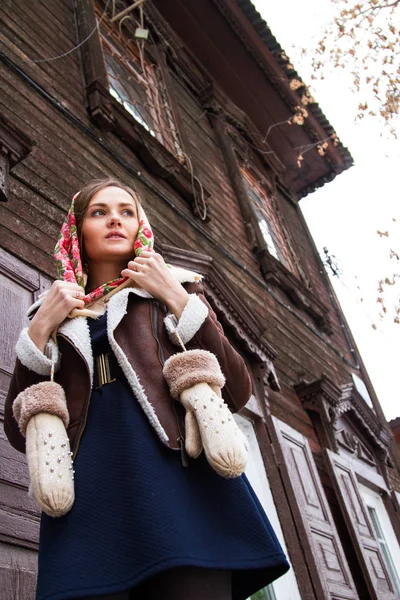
column 250, row 222
column 276, row 274
column 14, row 147
column 331, row 401
column 231, row 310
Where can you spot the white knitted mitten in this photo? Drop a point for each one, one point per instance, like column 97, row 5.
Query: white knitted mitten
column 224, row 444
column 195, row 378
column 42, row 416
column 50, row 464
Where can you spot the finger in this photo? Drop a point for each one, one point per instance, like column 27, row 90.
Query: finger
column 75, row 289
column 66, row 284
column 77, row 294
column 193, row 443
column 79, row 304
column 68, row 292
column 139, row 265
column 147, row 253
column 143, row 259
column 132, row 264
column 130, row 273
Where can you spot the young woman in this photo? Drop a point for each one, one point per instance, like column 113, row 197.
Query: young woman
column 146, row 522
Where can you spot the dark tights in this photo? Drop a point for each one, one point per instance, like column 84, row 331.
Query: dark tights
column 183, row 583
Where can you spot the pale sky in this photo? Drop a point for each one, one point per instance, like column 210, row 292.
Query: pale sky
column 345, row 214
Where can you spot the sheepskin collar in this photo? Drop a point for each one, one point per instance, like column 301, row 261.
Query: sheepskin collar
column 180, row 274
column 77, row 330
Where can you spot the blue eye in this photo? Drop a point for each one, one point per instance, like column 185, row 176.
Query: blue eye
column 101, row 212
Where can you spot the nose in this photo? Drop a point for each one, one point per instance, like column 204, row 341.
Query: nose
column 114, row 220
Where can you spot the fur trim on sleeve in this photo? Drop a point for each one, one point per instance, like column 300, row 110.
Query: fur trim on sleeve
column 32, row 358
column 193, row 316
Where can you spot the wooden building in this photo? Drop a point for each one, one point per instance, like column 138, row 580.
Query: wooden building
column 195, row 104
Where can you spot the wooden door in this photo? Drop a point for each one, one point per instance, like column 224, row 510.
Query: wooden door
column 360, row 529
column 321, row 544
column 19, row 516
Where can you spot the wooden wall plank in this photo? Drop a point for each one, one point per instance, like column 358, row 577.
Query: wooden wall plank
column 64, row 158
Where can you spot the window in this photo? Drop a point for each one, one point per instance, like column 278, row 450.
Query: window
column 362, row 390
column 270, row 225
column 136, row 80
column 384, row 533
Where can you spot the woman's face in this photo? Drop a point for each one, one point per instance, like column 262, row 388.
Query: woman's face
column 110, row 226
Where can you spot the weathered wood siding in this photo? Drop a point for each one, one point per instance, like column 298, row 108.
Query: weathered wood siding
column 69, row 150
column 64, row 157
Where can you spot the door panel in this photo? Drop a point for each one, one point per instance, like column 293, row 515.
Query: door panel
column 360, row 529
column 321, row 543
column 19, row 287
column 19, row 516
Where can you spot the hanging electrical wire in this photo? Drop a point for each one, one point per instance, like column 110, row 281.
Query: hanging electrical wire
column 336, row 271
column 42, row 60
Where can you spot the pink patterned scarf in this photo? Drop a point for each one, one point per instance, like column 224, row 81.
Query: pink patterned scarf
column 68, row 255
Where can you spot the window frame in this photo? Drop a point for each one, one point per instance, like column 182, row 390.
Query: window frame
column 235, row 150
column 237, row 136
column 277, row 231
column 161, row 123
column 111, row 117
column 386, row 547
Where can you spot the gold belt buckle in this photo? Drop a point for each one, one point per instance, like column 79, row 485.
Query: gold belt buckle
column 103, row 370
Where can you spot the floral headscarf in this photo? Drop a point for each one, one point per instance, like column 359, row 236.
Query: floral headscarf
column 68, row 255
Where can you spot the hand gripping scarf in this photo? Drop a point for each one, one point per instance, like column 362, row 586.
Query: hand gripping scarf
column 68, row 255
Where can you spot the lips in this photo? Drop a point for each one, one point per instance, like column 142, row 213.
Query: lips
column 115, row 235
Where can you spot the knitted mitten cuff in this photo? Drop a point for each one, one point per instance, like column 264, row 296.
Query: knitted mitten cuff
column 188, row 368
column 45, row 397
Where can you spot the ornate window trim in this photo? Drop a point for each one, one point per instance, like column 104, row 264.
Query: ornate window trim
column 110, row 116
column 136, row 80
column 221, row 111
column 331, row 402
column 276, row 235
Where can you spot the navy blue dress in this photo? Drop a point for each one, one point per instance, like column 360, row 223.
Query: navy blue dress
column 138, row 511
